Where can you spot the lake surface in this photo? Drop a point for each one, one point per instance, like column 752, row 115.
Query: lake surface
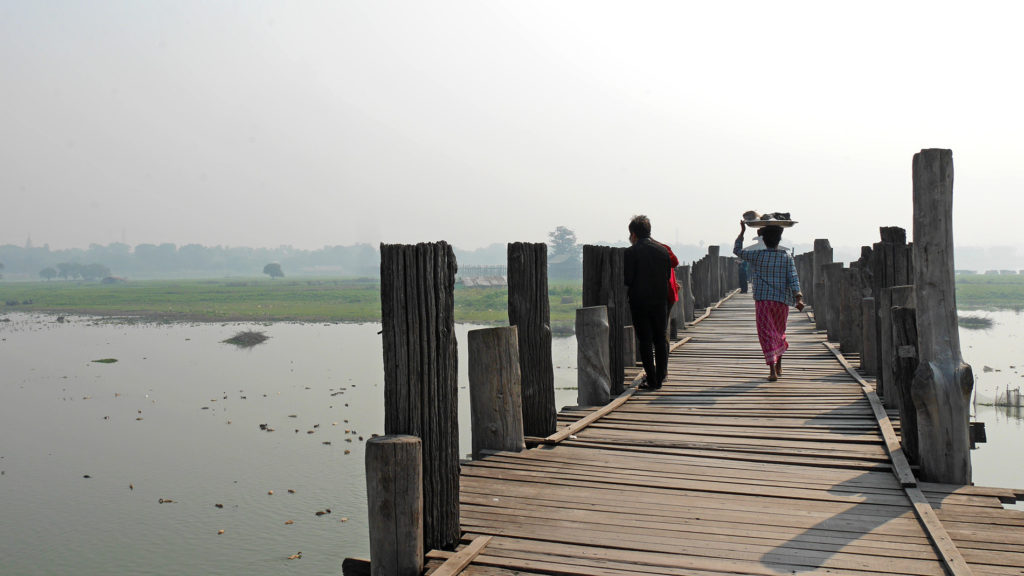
column 178, row 417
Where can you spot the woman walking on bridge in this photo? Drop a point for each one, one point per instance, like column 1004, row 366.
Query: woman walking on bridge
column 776, row 287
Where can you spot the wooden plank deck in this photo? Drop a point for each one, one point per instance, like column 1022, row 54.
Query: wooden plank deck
column 723, row 472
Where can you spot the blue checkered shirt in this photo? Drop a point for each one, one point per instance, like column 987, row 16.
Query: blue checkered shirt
column 773, row 273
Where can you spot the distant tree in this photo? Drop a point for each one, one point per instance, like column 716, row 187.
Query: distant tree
column 564, row 260
column 1, row 268
column 94, row 271
column 69, row 270
column 563, row 243
column 49, row 273
column 273, row 270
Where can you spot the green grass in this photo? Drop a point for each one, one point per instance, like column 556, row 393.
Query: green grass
column 343, row 300
column 988, row 292
column 257, row 299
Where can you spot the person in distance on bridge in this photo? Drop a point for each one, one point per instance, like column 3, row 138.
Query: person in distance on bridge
column 648, row 268
column 776, row 287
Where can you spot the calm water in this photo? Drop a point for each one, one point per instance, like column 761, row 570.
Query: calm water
column 178, row 417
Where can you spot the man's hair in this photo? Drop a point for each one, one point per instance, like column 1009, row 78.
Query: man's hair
column 641, row 226
column 772, row 235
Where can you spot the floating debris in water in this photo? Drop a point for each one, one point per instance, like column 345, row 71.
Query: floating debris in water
column 975, row 322
column 218, row 505
column 165, row 501
column 295, row 556
column 106, row 360
column 219, row 532
column 291, row 491
column 86, row 476
column 289, row 522
column 247, row 339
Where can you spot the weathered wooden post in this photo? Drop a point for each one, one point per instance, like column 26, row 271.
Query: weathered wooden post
column 530, row 311
column 685, row 292
column 604, row 285
column 869, row 348
column 833, row 274
column 629, row 346
column 593, row 364
column 891, row 265
column 943, row 381
column 496, row 408
column 851, row 326
column 715, row 287
column 805, row 270
column 699, row 287
column 904, row 353
column 421, row 373
column 822, row 256
column 894, row 296
column 394, row 499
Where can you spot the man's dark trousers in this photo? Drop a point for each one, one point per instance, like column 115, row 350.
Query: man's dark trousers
column 650, row 323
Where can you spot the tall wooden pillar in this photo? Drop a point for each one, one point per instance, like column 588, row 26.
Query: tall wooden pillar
column 530, row 311
column 417, row 286
column 943, row 381
column 685, row 280
column 715, row 275
column 822, row 256
column 604, row 285
column 833, row 274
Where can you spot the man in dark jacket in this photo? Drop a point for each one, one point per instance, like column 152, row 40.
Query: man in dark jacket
column 647, row 271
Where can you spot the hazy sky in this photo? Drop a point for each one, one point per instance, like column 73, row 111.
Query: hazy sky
column 321, row 123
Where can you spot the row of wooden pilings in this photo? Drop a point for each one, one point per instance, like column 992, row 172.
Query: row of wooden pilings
column 413, row 470
column 895, row 307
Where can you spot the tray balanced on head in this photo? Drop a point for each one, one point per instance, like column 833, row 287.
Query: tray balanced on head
column 755, row 220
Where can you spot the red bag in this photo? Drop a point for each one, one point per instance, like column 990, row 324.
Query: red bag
column 673, row 288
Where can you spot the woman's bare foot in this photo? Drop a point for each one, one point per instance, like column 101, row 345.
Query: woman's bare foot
column 772, row 375
column 778, row 367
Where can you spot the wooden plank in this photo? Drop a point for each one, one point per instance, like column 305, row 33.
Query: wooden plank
column 593, row 417
column 900, row 465
column 455, row 564
column 954, row 561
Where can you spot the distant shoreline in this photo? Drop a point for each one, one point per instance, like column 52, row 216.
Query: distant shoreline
column 255, row 300
column 340, row 300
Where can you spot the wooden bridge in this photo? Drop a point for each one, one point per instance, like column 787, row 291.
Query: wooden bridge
column 722, row 472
